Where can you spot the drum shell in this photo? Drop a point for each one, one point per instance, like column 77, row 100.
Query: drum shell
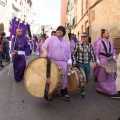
column 76, row 80
column 35, row 77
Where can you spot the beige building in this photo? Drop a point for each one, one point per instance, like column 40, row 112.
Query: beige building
column 106, row 14
column 82, row 20
column 93, row 15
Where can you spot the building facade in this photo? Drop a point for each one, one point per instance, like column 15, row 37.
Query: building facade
column 21, row 9
column 93, row 15
column 63, row 8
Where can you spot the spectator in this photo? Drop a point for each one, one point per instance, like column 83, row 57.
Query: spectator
column 6, row 49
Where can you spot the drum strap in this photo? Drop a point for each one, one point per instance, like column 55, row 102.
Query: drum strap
column 47, row 85
column 106, row 54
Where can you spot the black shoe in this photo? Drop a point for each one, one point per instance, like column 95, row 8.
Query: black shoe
column 119, row 92
column 18, row 80
column 66, row 98
column 115, row 96
column 95, row 79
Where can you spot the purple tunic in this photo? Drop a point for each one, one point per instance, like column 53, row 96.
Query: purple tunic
column 106, row 82
column 34, row 45
column 59, row 51
column 96, row 69
column 72, row 44
column 75, row 39
column 19, row 61
column 39, row 49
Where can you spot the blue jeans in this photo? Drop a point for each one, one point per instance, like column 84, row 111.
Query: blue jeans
column 6, row 51
column 86, row 69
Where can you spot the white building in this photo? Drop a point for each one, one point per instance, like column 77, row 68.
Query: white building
column 47, row 29
column 4, row 18
column 21, row 9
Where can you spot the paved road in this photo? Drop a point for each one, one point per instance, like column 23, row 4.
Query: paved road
column 17, row 104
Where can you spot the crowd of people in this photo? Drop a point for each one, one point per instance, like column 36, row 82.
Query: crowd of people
column 65, row 54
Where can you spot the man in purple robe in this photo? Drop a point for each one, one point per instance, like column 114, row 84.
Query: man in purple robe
column 105, row 50
column 30, row 44
column 57, row 49
column 95, row 69
column 72, row 43
column 74, row 38
column 19, row 52
column 35, row 38
column 34, row 44
column 39, row 47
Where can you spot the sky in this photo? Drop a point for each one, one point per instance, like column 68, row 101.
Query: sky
column 47, row 12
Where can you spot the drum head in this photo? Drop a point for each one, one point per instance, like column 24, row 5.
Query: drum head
column 73, row 82
column 111, row 66
column 35, row 77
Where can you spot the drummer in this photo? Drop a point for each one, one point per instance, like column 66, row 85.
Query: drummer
column 106, row 82
column 57, row 49
column 39, row 46
column 82, row 54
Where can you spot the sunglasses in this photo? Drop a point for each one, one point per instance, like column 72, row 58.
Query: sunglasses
column 83, row 36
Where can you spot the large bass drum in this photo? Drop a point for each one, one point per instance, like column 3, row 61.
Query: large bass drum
column 35, row 77
column 76, row 80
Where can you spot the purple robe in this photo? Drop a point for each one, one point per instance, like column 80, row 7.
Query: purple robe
column 39, row 49
column 75, row 39
column 19, row 61
column 72, row 44
column 34, row 45
column 59, row 52
column 96, row 69
column 106, row 82
column 36, row 39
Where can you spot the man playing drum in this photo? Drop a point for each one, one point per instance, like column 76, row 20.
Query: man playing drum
column 105, row 51
column 57, row 49
column 84, row 52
